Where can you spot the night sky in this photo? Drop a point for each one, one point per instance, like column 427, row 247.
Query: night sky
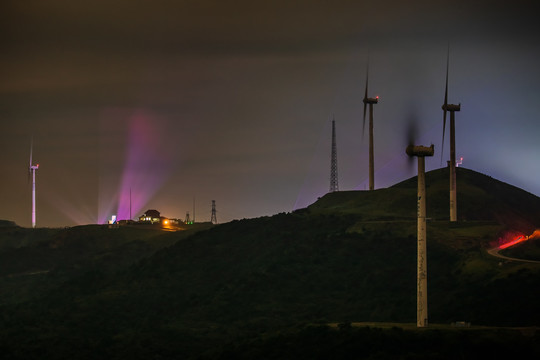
column 187, row 102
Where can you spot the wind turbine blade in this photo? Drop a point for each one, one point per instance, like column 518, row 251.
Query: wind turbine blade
column 28, row 177
column 446, row 87
column 364, row 123
column 411, row 135
column 443, row 129
column 367, row 81
column 445, row 101
column 365, row 97
column 367, row 77
column 31, row 146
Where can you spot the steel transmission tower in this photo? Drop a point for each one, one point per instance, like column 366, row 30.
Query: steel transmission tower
column 333, row 163
column 213, row 218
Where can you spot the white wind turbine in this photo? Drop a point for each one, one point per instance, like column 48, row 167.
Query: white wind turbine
column 32, row 170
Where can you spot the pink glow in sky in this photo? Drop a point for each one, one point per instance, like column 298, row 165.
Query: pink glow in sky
column 147, row 163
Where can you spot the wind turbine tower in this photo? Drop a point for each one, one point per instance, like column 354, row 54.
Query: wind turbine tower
column 421, row 276
column 333, row 162
column 369, row 101
column 452, row 163
column 32, row 170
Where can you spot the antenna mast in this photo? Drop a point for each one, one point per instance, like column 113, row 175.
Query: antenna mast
column 213, row 218
column 333, row 163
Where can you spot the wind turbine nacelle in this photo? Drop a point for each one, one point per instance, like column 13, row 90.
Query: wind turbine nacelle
column 419, row 150
column 451, row 107
column 371, row 100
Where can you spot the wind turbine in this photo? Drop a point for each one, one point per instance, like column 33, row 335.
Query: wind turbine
column 367, row 100
column 452, row 163
column 32, row 170
column 421, row 276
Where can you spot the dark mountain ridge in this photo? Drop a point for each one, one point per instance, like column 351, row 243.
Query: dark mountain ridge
column 349, row 257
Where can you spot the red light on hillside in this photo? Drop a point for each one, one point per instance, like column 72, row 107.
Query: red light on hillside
column 517, row 240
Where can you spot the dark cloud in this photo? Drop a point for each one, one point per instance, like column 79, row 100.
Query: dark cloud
column 244, row 92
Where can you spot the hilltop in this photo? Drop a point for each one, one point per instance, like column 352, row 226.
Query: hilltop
column 349, row 257
column 480, row 198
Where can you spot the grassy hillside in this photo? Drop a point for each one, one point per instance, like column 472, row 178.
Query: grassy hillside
column 248, row 285
column 33, row 261
column 479, row 198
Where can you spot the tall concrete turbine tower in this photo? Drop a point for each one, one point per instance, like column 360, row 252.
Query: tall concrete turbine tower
column 369, row 101
column 333, row 162
column 421, row 277
column 452, row 163
column 32, row 170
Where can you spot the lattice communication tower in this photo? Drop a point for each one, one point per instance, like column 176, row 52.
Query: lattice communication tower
column 333, row 163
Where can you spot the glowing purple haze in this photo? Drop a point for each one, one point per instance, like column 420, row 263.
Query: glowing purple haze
column 147, row 163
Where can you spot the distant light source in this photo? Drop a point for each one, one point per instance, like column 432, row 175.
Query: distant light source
column 517, row 240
